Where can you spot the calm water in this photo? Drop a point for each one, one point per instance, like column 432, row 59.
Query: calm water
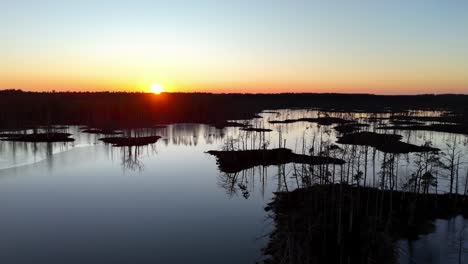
column 87, row 202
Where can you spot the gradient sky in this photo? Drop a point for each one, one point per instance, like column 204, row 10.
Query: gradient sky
column 372, row 46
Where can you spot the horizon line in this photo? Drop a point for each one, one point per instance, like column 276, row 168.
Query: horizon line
column 226, row 93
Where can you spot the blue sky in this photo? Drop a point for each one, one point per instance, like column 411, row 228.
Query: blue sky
column 376, row 46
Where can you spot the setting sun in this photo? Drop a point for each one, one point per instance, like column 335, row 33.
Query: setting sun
column 157, row 88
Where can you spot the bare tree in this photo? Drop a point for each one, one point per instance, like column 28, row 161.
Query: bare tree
column 451, row 161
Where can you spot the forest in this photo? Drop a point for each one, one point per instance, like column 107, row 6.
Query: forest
column 21, row 109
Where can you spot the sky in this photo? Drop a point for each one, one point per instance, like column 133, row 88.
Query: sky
column 347, row 46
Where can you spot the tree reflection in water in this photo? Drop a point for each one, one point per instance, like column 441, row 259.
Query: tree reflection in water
column 243, row 182
column 359, row 211
column 131, row 156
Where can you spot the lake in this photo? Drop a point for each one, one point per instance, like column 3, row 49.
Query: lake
column 89, row 202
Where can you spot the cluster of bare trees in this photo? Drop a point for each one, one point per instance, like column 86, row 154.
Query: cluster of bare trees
column 422, row 172
column 452, row 160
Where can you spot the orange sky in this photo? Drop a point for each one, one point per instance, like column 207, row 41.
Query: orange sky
column 381, row 47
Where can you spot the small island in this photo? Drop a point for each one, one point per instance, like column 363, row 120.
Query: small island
column 130, row 141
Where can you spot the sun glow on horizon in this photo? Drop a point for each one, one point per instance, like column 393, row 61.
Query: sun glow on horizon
column 157, row 88
column 315, row 46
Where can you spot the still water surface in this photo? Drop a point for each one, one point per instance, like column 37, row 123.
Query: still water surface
column 87, row 202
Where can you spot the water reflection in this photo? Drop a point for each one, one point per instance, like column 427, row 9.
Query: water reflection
column 131, row 156
column 14, row 154
column 181, row 191
column 298, row 226
column 244, row 182
column 447, row 244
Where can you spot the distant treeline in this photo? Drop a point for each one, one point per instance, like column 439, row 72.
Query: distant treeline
column 108, row 109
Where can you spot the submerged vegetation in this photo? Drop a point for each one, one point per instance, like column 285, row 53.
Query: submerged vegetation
column 350, row 128
column 256, row 129
column 326, row 121
column 235, row 161
column 449, row 128
column 389, row 143
column 130, row 141
column 38, row 137
column 102, row 131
